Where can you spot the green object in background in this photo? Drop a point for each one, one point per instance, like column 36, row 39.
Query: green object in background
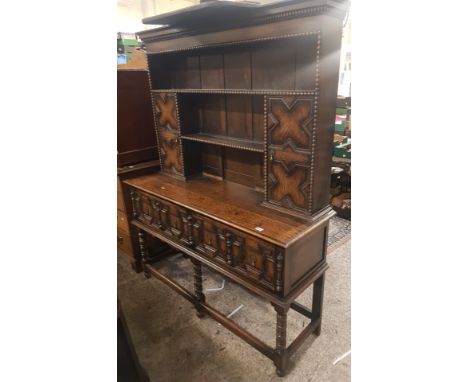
column 125, row 48
column 127, row 42
column 340, row 127
column 341, row 151
column 341, row 111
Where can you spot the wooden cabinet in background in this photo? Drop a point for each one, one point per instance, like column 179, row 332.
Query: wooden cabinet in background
column 135, row 122
column 137, row 151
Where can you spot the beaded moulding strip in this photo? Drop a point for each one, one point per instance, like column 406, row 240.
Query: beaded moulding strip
column 237, row 42
column 238, row 91
column 213, row 141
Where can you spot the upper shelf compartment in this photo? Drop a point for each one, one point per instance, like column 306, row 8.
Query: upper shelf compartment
column 288, row 64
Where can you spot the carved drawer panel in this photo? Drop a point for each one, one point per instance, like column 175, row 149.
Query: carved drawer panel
column 208, row 238
column 237, row 251
column 260, row 261
column 234, row 250
column 143, row 208
column 160, row 214
column 187, row 222
column 175, row 222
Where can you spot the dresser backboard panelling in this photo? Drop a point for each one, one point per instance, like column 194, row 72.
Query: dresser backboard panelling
column 233, row 84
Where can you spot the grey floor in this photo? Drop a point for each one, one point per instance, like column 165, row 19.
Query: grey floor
column 173, row 344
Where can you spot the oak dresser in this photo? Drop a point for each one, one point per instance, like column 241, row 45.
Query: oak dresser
column 244, row 105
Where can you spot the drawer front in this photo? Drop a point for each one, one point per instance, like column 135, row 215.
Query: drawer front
column 162, row 216
column 245, row 254
column 260, row 262
column 120, row 199
column 122, row 222
column 228, row 247
column 124, row 242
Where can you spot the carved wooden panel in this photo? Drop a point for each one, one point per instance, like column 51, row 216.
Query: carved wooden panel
column 159, row 214
column 143, row 208
column 290, row 136
column 167, row 127
column 242, row 253
column 238, row 251
column 210, row 241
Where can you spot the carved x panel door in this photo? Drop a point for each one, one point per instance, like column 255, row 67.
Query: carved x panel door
column 167, row 126
column 289, row 152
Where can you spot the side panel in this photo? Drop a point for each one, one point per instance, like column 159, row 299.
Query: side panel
column 168, row 133
column 290, row 137
column 303, row 255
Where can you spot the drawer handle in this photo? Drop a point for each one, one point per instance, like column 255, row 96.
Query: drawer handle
column 120, row 239
column 209, row 241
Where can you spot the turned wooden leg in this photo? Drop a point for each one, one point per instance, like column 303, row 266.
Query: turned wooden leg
column 143, row 252
column 198, row 283
column 280, row 350
column 317, row 302
column 136, row 264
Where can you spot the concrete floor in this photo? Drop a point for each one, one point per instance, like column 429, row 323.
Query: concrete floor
column 173, row 344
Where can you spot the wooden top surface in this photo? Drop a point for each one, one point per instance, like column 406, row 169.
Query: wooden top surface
column 222, row 15
column 203, row 12
column 216, row 11
column 136, row 167
column 229, row 203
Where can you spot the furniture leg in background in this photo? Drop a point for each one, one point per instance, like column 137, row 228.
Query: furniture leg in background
column 198, row 286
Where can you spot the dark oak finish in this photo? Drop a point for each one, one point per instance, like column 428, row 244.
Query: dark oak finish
column 290, row 143
column 241, row 144
column 198, row 286
column 168, row 133
column 244, row 99
column 127, row 239
column 135, row 124
column 231, row 203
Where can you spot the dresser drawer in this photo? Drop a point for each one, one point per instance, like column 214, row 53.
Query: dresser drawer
column 236, row 251
column 122, row 222
column 120, row 199
column 242, row 253
column 124, row 242
column 165, row 217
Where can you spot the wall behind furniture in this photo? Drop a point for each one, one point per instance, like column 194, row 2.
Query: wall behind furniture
column 130, row 12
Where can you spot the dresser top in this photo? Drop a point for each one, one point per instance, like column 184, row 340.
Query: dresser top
column 215, row 15
column 216, row 11
column 230, row 203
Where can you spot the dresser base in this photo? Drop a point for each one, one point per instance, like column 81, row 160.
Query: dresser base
column 281, row 354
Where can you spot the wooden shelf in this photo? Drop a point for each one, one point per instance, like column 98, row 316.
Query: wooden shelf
column 138, row 166
column 241, row 144
column 237, row 91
